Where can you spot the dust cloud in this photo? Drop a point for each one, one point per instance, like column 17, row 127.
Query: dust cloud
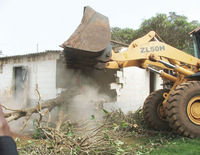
column 18, row 101
column 92, row 93
column 89, row 102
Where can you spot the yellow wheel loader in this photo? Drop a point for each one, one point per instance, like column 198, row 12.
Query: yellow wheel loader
column 178, row 106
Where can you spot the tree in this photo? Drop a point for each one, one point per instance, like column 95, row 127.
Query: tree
column 126, row 35
column 173, row 29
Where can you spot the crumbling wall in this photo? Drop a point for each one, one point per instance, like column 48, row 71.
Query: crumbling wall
column 132, row 87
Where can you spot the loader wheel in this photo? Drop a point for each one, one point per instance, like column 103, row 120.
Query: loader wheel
column 153, row 110
column 183, row 109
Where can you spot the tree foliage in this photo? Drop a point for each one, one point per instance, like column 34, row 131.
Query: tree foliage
column 124, row 35
column 173, row 29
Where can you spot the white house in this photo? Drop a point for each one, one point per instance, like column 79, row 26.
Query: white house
column 127, row 88
column 19, row 76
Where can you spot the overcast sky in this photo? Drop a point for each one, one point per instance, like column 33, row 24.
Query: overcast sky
column 48, row 23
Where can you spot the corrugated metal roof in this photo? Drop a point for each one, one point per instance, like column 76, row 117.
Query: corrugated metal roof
column 32, row 54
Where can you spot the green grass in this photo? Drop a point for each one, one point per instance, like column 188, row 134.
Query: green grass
column 182, row 146
column 164, row 145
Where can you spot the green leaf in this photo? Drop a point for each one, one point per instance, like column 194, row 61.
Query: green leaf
column 30, row 141
column 123, row 124
column 120, row 151
column 92, row 117
column 106, row 130
column 115, row 127
column 106, row 112
column 70, row 125
column 119, row 143
column 70, row 134
column 73, row 152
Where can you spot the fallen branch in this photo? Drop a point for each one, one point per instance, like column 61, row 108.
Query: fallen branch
column 63, row 98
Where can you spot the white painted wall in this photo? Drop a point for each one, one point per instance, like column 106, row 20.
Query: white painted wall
column 41, row 71
column 132, row 87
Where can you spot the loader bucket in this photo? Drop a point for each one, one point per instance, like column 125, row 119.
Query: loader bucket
column 89, row 41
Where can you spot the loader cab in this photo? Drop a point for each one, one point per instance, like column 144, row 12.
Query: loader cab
column 196, row 39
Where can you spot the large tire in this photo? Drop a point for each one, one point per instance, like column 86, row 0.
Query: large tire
column 153, row 111
column 183, row 109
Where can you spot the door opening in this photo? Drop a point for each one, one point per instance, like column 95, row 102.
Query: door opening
column 20, row 80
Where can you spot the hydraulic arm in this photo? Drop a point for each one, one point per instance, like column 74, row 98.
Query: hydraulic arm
column 144, row 53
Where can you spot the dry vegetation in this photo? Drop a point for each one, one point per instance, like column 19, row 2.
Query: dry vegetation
column 64, row 137
column 94, row 136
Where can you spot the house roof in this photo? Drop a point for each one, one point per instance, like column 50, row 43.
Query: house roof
column 195, row 30
column 32, row 54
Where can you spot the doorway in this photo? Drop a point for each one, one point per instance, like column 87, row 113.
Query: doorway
column 20, row 80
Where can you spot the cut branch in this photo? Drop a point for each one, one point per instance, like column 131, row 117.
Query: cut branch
column 64, row 98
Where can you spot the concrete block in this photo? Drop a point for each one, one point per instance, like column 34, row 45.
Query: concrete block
column 119, row 74
column 115, row 86
column 118, row 92
column 121, row 80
